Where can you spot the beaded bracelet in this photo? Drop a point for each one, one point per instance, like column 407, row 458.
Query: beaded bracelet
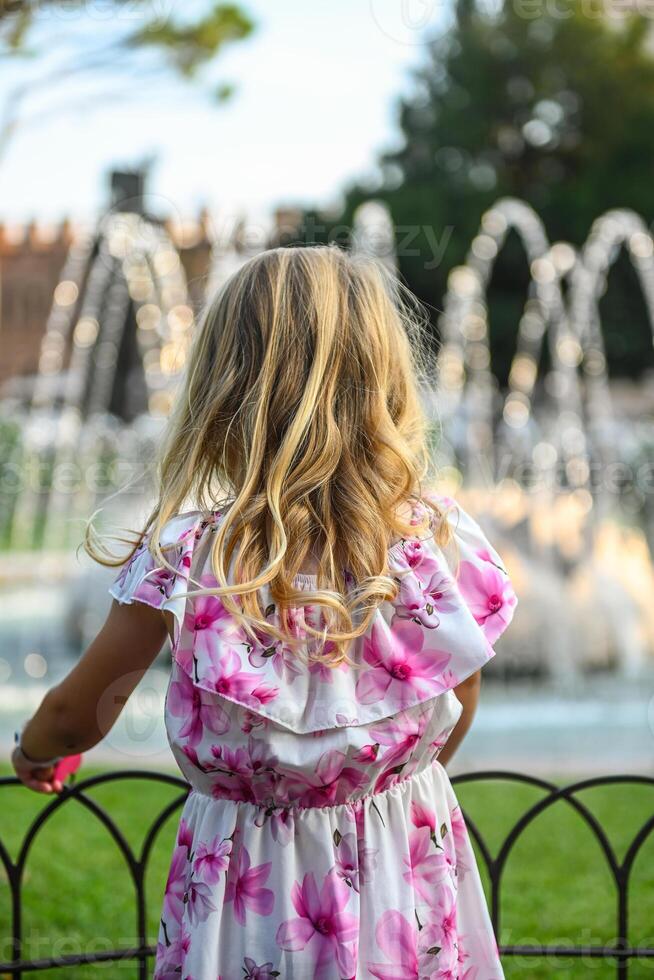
column 20, row 756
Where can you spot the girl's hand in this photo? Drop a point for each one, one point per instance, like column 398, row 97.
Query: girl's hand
column 78, row 712
column 42, row 779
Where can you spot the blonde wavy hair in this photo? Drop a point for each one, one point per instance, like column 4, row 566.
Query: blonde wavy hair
column 300, row 418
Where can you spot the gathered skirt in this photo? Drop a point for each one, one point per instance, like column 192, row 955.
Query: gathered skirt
column 386, row 886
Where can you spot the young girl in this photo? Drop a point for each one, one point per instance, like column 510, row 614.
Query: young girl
column 329, row 617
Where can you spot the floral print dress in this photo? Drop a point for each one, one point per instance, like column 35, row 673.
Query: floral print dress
column 321, row 839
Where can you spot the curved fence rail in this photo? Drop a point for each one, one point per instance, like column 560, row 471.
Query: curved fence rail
column 620, row 951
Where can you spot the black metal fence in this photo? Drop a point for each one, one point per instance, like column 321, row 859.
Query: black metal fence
column 619, row 951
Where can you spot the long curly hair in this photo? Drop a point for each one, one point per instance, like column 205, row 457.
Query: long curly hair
column 300, row 418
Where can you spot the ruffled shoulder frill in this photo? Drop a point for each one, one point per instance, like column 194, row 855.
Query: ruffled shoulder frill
column 452, row 604
column 144, row 579
column 481, row 576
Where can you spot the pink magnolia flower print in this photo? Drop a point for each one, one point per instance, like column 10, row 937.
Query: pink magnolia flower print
column 211, row 859
column 278, row 653
column 190, row 753
column 284, row 661
column 423, row 816
column 323, row 927
column 416, row 603
column 438, row 939
column 261, row 759
column 209, row 624
column 437, row 961
column 367, row 754
column 230, row 786
column 396, row 774
column 450, row 679
column 199, row 902
column 442, row 590
column 466, row 967
column 444, row 920
column 425, row 601
column 282, row 825
column 398, row 736
column 489, row 596
column 158, row 582
column 332, row 781
column 185, row 835
column 250, row 720
column 281, row 821
column 368, row 861
column 398, row 667
column 347, row 863
column 354, row 860
column 253, row 759
column 253, row 972
column 245, row 887
column 225, row 677
column 427, row 865
column 456, row 843
column 356, row 815
column 398, row 940
column 321, row 837
column 459, row 829
column 200, row 712
column 170, row 953
column 415, row 557
column 247, row 773
column 176, row 885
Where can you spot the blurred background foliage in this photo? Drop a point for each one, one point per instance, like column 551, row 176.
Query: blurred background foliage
column 163, row 43
column 552, row 105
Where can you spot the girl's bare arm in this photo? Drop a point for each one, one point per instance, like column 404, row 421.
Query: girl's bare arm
column 468, row 694
column 78, row 712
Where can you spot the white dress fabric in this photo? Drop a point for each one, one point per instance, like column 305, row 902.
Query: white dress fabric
column 321, row 839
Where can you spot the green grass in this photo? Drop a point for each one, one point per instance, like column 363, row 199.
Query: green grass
column 556, row 888
column 78, row 894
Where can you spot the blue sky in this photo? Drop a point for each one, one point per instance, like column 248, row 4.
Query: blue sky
column 316, row 92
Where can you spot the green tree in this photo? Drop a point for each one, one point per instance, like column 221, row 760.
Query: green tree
column 553, row 104
column 132, row 45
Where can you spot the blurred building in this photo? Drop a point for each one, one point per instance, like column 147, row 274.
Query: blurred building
column 32, row 259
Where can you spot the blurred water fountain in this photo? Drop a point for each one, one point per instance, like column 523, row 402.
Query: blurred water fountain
column 536, row 458
column 373, row 233
column 611, row 232
column 481, row 423
column 124, row 288
column 112, row 355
